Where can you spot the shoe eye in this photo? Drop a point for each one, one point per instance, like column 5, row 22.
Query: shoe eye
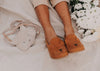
column 75, row 44
column 60, row 50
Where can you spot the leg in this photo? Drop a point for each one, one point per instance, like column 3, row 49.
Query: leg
column 56, row 47
column 62, row 10
column 43, row 15
column 72, row 42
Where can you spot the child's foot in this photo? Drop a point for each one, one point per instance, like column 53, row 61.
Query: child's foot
column 49, row 34
column 68, row 30
column 56, row 48
column 73, row 43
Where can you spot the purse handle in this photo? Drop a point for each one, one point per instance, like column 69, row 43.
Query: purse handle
column 21, row 23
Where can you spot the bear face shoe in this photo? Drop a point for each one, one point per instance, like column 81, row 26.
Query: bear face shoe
column 73, row 43
column 57, row 48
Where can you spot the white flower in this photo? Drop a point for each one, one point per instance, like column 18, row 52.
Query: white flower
column 86, row 22
column 73, row 16
column 81, row 13
column 87, row 1
column 82, row 22
column 92, row 23
column 94, row 11
column 96, row 2
column 89, row 12
column 91, row 38
column 87, row 6
column 81, row 31
column 81, row 0
column 78, row 6
column 88, row 32
column 87, row 19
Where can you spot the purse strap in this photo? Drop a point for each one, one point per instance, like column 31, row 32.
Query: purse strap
column 14, row 28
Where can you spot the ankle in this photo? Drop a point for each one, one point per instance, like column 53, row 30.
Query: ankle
column 49, row 34
column 48, row 38
column 66, row 34
column 69, row 31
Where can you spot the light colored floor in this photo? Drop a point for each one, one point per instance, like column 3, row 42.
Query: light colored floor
column 37, row 58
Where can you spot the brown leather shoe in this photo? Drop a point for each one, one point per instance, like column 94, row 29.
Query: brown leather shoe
column 57, row 48
column 73, row 43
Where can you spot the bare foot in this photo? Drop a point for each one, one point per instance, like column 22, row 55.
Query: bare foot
column 68, row 29
column 43, row 16
column 49, row 33
column 63, row 12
